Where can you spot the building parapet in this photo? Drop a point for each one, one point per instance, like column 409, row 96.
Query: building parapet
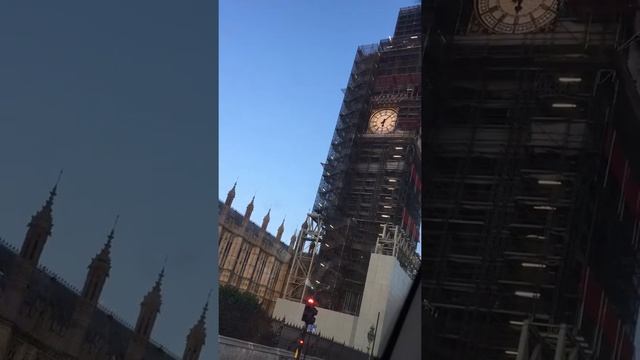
column 252, row 233
column 60, row 281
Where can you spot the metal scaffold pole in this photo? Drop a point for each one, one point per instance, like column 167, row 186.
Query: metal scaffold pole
column 305, row 249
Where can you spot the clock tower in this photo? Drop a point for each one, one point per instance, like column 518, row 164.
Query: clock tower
column 531, row 206
column 372, row 173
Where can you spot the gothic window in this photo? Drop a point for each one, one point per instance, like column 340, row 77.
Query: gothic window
column 242, row 259
column 227, row 241
column 274, row 275
column 259, row 269
column 222, row 241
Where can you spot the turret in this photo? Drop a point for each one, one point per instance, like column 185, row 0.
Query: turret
column 149, row 309
column 39, row 230
column 280, row 231
column 197, row 336
column 99, row 271
column 247, row 213
column 265, row 221
column 230, row 196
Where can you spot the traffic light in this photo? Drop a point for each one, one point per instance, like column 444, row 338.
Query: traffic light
column 310, row 312
column 311, row 302
column 300, row 342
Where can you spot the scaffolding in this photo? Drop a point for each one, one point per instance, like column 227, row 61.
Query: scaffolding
column 354, row 103
column 395, row 242
column 543, row 341
column 305, row 249
column 370, row 179
column 516, row 135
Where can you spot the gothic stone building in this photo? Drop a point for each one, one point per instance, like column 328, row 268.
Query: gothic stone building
column 249, row 258
column 41, row 317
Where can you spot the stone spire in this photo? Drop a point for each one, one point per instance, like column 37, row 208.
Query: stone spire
column 265, row 221
column 197, row 335
column 95, row 280
column 105, row 253
column 150, row 308
column 99, row 270
column 39, row 229
column 247, row 214
column 156, row 291
column 280, row 231
column 230, row 196
column 292, row 241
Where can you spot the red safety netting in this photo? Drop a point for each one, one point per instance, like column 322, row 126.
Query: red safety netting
column 603, row 316
column 620, row 170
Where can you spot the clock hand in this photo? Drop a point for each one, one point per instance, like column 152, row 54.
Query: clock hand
column 518, row 5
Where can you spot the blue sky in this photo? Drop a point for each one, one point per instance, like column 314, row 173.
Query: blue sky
column 122, row 95
column 282, row 67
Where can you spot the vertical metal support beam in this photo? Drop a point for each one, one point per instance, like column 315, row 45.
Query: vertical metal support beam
column 536, row 354
column 293, row 264
column 606, row 171
column 584, row 298
column 396, row 240
column 560, row 345
column 621, row 202
column 315, row 244
column 523, row 347
column 600, row 325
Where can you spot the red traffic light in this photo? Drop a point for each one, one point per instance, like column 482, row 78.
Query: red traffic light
column 311, row 301
column 301, row 342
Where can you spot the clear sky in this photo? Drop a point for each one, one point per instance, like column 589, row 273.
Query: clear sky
column 121, row 94
column 282, row 67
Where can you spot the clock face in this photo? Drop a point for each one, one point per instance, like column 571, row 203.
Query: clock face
column 383, row 121
column 516, row 16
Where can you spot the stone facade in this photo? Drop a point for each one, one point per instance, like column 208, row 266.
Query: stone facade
column 249, row 258
column 42, row 317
